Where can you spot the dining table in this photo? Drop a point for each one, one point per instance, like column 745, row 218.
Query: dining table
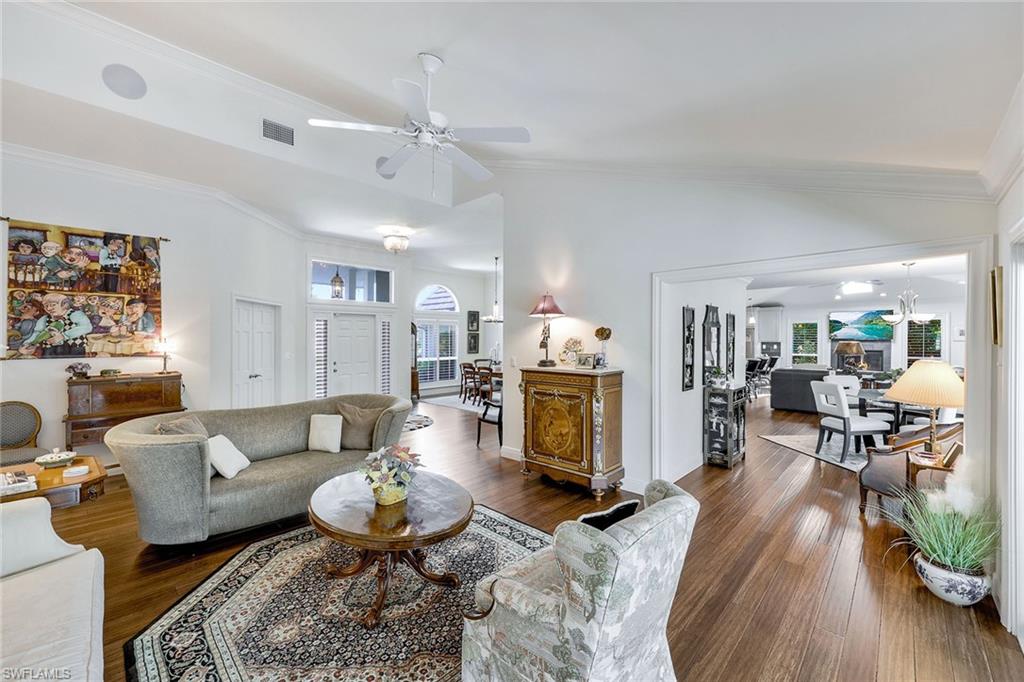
column 875, row 395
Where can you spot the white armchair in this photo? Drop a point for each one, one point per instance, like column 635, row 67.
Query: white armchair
column 51, row 596
column 594, row 606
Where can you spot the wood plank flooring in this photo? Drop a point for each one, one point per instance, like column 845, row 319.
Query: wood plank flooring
column 784, row 579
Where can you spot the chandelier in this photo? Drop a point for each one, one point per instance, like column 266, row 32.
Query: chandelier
column 495, row 316
column 908, row 305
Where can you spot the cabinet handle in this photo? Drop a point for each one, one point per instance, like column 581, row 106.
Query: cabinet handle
column 255, row 376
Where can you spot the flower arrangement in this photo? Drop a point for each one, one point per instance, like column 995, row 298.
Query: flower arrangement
column 79, row 370
column 389, row 471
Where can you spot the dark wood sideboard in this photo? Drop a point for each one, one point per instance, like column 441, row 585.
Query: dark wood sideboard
column 98, row 403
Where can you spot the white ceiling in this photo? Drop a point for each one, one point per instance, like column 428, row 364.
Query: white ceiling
column 934, row 279
column 837, row 84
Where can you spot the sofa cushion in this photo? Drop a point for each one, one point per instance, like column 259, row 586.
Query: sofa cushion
column 325, row 432
column 225, row 457
column 188, row 425
column 53, row 617
column 272, row 489
column 359, row 423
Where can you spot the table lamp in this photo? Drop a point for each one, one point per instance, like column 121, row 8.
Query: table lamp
column 931, row 383
column 165, row 347
column 546, row 308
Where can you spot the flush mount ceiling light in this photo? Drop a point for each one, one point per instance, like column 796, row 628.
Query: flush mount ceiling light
column 838, row 297
column 851, row 288
column 908, row 305
column 124, row 81
column 396, row 237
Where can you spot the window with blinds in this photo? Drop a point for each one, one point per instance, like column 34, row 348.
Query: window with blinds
column 805, row 343
column 437, row 354
column 320, row 358
column 924, row 340
column 385, row 356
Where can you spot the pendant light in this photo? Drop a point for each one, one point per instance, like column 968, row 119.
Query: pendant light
column 495, row 316
column 908, row 306
column 337, row 284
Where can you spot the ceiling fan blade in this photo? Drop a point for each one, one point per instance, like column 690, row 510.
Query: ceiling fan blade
column 389, row 167
column 411, row 96
column 517, row 134
column 466, row 163
column 345, row 125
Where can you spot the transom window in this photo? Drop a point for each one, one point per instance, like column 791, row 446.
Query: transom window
column 349, row 283
column 436, row 298
column 805, row 343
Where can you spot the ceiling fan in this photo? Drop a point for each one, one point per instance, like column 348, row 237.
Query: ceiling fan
column 426, row 129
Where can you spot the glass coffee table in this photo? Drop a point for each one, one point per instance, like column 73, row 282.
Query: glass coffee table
column 343, row 509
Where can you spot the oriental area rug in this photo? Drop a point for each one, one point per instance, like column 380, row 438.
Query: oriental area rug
column 271, row 613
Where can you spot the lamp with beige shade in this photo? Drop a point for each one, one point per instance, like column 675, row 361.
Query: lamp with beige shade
column 931, row 383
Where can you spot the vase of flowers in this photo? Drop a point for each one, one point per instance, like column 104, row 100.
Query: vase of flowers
column 953, row 541
column 389, row 471
column 717, row 377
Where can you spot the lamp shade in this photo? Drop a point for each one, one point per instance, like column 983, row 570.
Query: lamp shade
column 849, row 348
column 546, row 307
column 931, row 383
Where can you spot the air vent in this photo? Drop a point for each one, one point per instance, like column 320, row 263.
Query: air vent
column 278, row 132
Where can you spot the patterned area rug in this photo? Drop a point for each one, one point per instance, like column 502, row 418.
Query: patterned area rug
column 416, row 421
column 271, row 614
column 830, row 452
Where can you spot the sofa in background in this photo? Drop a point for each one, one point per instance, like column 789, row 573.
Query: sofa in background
column 176, row 499
column 594, row 606
column 791, row 388
column 51, row 597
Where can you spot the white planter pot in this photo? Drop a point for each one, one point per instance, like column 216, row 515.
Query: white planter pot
column 956, row 588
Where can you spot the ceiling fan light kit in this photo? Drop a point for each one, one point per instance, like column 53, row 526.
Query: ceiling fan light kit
column 425, row 129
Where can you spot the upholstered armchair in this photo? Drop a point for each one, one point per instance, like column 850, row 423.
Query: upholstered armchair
column 594, row 606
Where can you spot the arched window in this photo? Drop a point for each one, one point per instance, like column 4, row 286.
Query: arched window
column 436, row 298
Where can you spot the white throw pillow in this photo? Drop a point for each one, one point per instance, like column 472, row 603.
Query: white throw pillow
column 225, row 457
column 325, row 432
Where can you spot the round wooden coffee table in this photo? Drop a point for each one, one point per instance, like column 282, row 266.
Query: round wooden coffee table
column 344, row 510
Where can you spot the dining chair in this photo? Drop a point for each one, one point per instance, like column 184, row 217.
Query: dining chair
column 943, row 417
column 19, row 427
column 484, row 385
column 465, row 368
column 486, row 418
column 887, row 472
column 830, row 399
column 483, row 362
column 851, row 384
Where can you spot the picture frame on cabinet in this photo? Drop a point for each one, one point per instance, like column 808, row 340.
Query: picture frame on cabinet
column 585, row 360
column 689, row 338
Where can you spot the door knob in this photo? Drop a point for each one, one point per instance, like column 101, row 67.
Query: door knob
column 255, row 376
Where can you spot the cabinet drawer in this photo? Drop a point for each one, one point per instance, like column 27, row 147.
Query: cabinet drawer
column 91, row 436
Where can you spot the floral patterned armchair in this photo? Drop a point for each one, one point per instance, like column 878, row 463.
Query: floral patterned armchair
column 594, row 606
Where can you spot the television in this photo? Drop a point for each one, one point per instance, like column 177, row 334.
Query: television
column 863, row 325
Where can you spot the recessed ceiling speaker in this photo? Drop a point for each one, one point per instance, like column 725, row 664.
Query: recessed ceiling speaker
column 124, row 81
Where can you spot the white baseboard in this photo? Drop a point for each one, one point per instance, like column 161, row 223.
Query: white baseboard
column 511, row 453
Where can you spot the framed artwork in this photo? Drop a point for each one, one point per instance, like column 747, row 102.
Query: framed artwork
column 585, row 360
column 73, row 292
column 730, row 344
column 689, row 339
column 473, row 320
column 712, row 341
column 995, row 285
column 473, row 343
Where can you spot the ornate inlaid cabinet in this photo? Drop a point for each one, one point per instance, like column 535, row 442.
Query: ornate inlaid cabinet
column 573, row 425
column 725, row 417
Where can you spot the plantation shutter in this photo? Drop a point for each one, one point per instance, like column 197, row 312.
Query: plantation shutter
column 320, row 358
column 924, row 340
column 805, row 343
column 385, row 355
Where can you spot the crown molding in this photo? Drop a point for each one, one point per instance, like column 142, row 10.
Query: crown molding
column 1004, row 161
column 909, row 183
column 52, row 160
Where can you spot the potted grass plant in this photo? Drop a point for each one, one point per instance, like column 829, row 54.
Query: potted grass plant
column 953, row 543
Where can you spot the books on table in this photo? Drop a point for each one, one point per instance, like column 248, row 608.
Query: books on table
column 14, row 482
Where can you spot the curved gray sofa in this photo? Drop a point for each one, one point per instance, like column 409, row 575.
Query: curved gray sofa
column 177, row 501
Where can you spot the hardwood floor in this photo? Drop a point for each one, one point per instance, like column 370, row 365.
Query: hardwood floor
column 784, row 579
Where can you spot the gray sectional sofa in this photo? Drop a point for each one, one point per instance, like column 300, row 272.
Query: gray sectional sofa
column 176, row 499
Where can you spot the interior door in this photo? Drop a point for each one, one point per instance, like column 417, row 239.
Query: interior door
column 254, row 355
column 352, row 352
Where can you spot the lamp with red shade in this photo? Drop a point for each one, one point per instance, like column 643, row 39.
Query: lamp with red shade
column 546, row 309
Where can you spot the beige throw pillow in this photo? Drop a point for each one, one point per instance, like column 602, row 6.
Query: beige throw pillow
column 189, row 425
column 360, row 422
column 325, row 432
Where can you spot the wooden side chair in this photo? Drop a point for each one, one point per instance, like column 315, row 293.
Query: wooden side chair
column 834, row 408
column 19, row 427
column 490, row 418
column 888, row 469
column 465, row 379
column 484, row 385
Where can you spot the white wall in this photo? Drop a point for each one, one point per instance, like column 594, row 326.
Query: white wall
column 952, row 313
column 682, row 428
column 594, row 239
column 216, row 251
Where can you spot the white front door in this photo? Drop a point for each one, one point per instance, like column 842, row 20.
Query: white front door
column 254, row 354
column 352, row 354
